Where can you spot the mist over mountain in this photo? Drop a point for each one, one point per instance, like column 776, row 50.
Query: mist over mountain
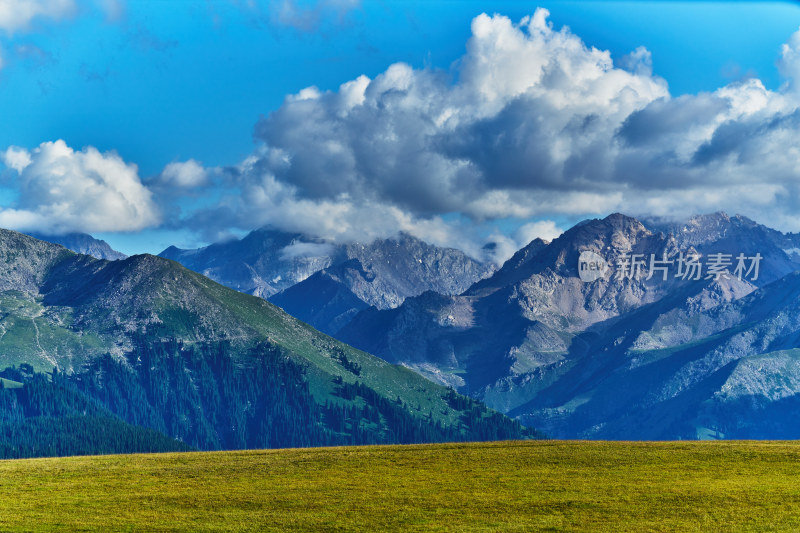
column 326, row 284
column 621, row 356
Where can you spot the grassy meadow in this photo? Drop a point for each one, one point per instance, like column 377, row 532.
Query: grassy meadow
column 507, row 486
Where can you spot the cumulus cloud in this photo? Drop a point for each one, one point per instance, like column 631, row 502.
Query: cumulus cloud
column 530, row 123
column 183, row 175
column 251, row 198
column 62, row 190
column 17, row 158
column 520, row 129
column 531, row 113
column 18, row 14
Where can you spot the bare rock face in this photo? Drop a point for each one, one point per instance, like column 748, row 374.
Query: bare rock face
column 82, row 243
column 394, row 269
column 145, row 333
column 25, row 261
column 325, row 284
column 262, row 263
column 621, row 356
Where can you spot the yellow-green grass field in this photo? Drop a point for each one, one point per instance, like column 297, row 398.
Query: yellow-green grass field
column 508, row 486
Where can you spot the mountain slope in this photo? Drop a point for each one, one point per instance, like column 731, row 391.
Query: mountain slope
column 527, row 312
column 67, row 311
column 44, row 417
column 83, row 243
column 381, row 274
column 734, row 377
column 258, row 263
column 735, row 234
column 324, row 299
column 612, row 358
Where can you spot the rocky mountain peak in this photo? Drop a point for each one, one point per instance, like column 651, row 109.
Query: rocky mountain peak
column 83, row 243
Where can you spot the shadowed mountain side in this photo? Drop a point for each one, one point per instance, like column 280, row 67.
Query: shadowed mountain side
column 619, row 357
column 268, row 261
column 324, row 299
column 69, row 311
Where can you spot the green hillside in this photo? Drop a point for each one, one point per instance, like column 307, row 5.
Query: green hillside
column 508, row 486
column 167, row 349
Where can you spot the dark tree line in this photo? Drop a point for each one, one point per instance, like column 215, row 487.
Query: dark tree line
column 381, row 420
column 205, row 397
column 167, row 395
column 50, row 417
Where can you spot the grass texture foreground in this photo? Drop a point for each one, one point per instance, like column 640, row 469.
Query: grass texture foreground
column 508, row 486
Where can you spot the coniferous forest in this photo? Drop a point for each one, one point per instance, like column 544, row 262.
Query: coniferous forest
column 168, row 396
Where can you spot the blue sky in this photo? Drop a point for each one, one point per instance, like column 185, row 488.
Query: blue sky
column 167, row 82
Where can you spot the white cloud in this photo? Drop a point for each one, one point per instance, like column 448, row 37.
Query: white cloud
column 184, row 175
column 530, row 123
column 640, row 61
column 543, row 229
column 403, row 150
column 17, row 14
column 789, row 63
column 536, row 124
column 62, row 190
column 16, row 158
column 304, row 250
column 530, row 106
column 502, row 247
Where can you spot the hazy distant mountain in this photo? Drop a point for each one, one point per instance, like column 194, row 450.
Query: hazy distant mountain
column 394, row 269
column 613, row 358
column 162, row 347
column 83, row 243
column 262, row 263
column 382, row 273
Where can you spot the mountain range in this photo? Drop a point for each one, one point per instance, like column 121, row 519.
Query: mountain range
column 152, row 345
column 643, row 349
column 326, row 284
column 621, row 357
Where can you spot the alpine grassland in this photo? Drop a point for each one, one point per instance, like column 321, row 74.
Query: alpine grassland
column 502, row 486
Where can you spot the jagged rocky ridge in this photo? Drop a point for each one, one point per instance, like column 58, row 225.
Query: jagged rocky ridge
column 83, row 243
column 325, row 284
column 616, row 358
column 161, row 346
